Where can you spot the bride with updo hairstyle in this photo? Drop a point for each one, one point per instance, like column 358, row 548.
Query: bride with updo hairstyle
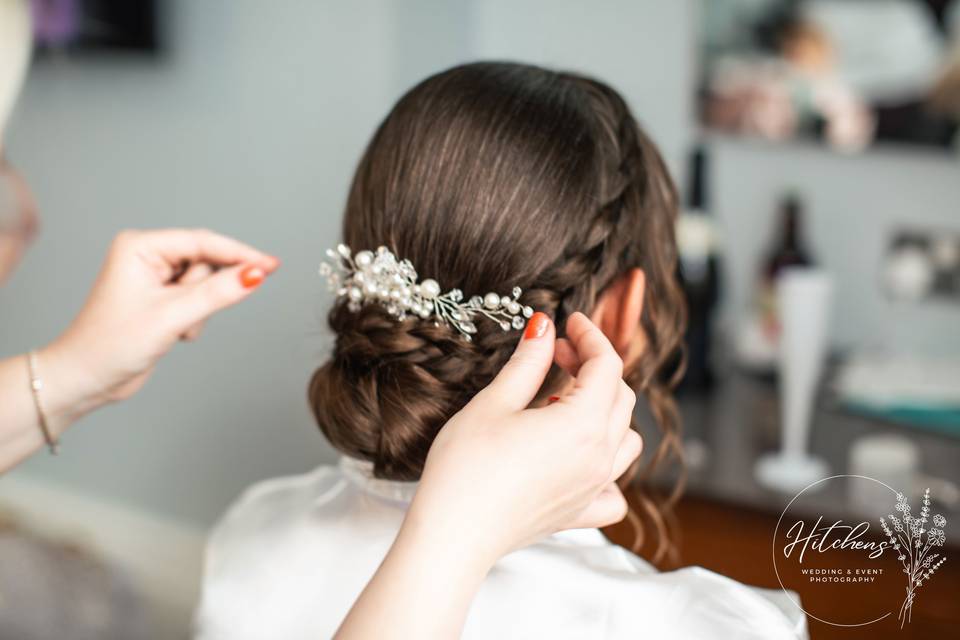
column 486, row 177
column 490, row 176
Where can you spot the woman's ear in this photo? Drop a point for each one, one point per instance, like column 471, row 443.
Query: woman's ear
column 618, row 311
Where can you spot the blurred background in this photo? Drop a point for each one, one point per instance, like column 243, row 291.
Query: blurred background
column 818, row 134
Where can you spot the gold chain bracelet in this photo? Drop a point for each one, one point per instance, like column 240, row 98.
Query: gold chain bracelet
column 36, row 385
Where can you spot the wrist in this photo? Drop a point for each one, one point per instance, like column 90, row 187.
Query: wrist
column 67, row 393
column 460, row 538
column 445, row 563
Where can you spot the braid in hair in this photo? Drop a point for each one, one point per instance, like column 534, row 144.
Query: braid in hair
column 640, row 205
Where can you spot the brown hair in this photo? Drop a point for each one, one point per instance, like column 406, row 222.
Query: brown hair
column 487, row 176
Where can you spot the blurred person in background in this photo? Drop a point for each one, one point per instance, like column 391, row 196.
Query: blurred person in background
column 18, row 217
column 849, row 73
column 798, row 90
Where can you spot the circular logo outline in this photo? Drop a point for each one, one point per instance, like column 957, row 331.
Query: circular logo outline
column 773, row 549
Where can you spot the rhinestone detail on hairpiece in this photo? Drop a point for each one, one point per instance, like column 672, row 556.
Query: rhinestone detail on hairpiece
column 369, row 277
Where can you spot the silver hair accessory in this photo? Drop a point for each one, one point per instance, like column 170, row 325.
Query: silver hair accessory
column 378, row 277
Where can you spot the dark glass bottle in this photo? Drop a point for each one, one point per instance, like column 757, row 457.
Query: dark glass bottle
column 788, row 250
column 699, row 273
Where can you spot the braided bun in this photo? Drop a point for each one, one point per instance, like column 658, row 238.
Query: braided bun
column 390, row 386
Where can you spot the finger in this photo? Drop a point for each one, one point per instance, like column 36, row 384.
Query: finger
column 565, row 357
column 601, row 369
column 201, row 245
column 609, row 507
column 621, row 414
column 519, row 381
column 631, row 444
column 226, row 287
column 197, row 272
column 193, row 333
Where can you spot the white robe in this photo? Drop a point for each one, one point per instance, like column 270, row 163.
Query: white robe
column 290, row 557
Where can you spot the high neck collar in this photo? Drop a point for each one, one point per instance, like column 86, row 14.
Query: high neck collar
column 360, row 472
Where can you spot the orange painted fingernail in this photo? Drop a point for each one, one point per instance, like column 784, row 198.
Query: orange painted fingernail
column 252, row 276
column 553, row 398
column 537, row 326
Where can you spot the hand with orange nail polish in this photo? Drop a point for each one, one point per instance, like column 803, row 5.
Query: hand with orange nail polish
column 566, row 455
column 502, row 474
column 146, row 299
column 155, row 288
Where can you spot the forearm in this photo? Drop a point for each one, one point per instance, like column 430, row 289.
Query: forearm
column 423, row 588
column 61, row 399
column 20, row 433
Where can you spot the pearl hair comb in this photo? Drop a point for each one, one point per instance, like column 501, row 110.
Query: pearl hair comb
column 381, row 278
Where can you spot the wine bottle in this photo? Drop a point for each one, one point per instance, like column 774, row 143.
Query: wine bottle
column 699, row 272
column 788, row 250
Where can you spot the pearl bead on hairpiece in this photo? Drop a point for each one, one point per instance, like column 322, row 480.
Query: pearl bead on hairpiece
column 380, row 278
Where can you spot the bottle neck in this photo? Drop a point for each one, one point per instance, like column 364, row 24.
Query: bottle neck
column 791, row 229
column 788, row 248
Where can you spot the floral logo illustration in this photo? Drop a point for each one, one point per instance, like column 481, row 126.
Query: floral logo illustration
column 907, row 538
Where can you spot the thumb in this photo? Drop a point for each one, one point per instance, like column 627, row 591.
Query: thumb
column 225, row 288
column 519, row 381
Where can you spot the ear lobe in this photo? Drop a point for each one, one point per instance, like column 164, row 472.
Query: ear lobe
column 619, row 308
